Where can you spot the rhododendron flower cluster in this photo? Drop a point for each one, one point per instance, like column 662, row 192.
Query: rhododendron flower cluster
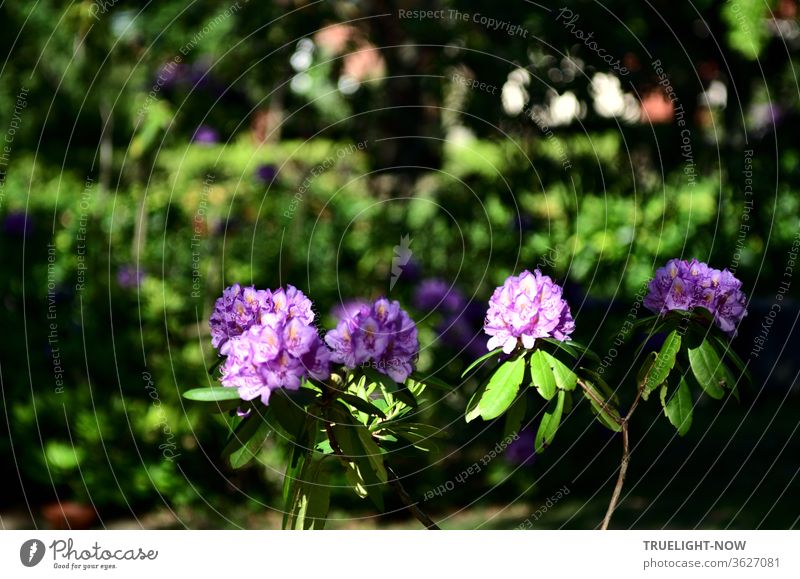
column 381, row 334
column 269, row 340
column 684, row 285
column 524, row 308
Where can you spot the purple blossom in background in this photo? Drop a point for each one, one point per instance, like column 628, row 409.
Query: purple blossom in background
column 525, row 308
column 462, row 329
column 198, row 75
column 18, row 224
column 381, row 334
column 129, row 276
column 170, row 74
column 412, row 270
column 684, row 285
column 266, row 173
column 522, row 449
column 205, row 135
column 269, row 340
column 434, row 294
column 462, row 320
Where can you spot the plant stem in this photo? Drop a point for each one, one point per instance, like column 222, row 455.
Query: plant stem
column 334, row 445
column 626, row 458
column 418, row 513
column 599, row 402
column 623, row 470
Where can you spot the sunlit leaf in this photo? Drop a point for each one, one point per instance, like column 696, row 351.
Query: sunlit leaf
column 663, row 363
column 483, row 358
column 550, row 422
column 360, row 404
column 679, row 407
column 212, row 394
column 502, row 388
column 542, row 374
column 707, row 369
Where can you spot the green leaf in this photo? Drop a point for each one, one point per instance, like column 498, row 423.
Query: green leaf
column 483, row 358
column 473, row 410
column 212, row 394
column 400, row 392
column 247, row 452
column 565, row 378
column 567, row 402
column 364, row 457
column 730, row 381
column 663, row 363
column 355, row 480
column 427, row 430
column 373, row 452
column 298, row 456
column 502, row 388
column 515, row 415
column 287, row 413
column 644, row 371
column 360, row 404
column 679, row 408
column 584, row 350
column 707, row 369
column 301, row 453
column 606, row 413
column 598, row 381
column 421, row 436
column 542, row 374
column 309, row 500
column 563, row 346
column 249, row 434
column 431, row 381
column 727, row 352
column 324, row 446
column 550, row 422
column 305, row 396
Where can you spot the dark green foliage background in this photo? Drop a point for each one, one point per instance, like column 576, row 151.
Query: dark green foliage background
column 478, row 209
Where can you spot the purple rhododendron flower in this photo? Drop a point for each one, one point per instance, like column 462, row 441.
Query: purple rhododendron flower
column 235, row 312
column 381, row 334
column 269, row 340
column 684, row 285
column 348, row 309
column 525, row 308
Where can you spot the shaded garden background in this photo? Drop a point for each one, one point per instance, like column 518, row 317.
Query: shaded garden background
column 156, row 152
